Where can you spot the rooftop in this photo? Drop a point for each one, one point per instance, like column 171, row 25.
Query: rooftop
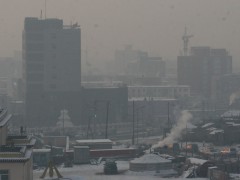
column 151, row 159
column 21, row 140
column 4, row 117
column 93, row 141
column 25, row 157
column 12, row 151
column 232, row 114
column 4, row 149
column 41, row 150
column 151, row 98
column 197, row 161
column 160, row 86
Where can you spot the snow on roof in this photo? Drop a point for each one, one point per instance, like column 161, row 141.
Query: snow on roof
column 207, row 125
column 25, row 158
column 232, row 124
column 197, row 161
column 159, row 86
column 231, row 114
column 152, row 98
column 211, row 129
column 216, row 131
column 5, row 120
column 41, row 150
column 81, row 147
column 68, row 177
column 151, row 159
column 90, row 141
column 191, row 126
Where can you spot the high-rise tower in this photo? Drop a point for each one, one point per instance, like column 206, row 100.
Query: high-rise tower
column 52, row 68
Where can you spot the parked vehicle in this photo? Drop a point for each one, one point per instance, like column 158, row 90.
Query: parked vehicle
column 110, row 167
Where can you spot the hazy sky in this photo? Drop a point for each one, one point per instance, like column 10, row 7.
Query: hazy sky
column 155, row 26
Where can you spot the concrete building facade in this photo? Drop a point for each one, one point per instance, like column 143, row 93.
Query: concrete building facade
column 100, row 102
column 138, row 63
column 51, row 68
column 224, row 87
column 15, row 152
column 158, row 91
column 201, row 67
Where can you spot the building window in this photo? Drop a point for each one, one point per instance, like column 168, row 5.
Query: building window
column 4, row 175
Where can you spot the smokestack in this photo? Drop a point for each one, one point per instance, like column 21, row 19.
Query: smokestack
column 176, row 130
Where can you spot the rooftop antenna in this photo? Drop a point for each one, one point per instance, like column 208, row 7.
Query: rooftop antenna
column 41, row 15
column 185, row 39
column 45, row 9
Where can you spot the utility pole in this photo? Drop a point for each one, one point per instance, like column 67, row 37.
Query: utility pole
column 133, row 135
column 106, row 130
column 203, row 111
column 168, row 118
column 63, row 122
column 186, row 140
column 89, row 128
column 94, row 120
column 137, row 125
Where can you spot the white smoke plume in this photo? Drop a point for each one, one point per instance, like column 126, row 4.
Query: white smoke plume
column 176, row 130
column 233, row 97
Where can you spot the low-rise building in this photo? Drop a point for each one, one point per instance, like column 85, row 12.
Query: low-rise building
column 41, row 157
column 158, row 91
column 15, row 163
column 95, row 143
column 15, row 152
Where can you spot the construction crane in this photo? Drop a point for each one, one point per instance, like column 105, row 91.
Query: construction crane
column 185, row 39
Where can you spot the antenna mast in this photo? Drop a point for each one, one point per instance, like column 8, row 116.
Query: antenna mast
column 185, row 39
column 45, row 9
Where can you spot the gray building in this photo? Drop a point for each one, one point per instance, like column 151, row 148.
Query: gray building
column 98, row 102
column 138, row 63
column 202, row 67
column 177, row 91
column 151, row 67
column 51, row 69
column 125, row 58
column 224, row 87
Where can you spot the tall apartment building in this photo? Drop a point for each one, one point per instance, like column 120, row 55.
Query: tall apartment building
column 138, row 65
column 201, row 67
column 51, row 69
column 125, row 58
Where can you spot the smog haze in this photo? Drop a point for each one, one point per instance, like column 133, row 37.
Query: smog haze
column 155, row 26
